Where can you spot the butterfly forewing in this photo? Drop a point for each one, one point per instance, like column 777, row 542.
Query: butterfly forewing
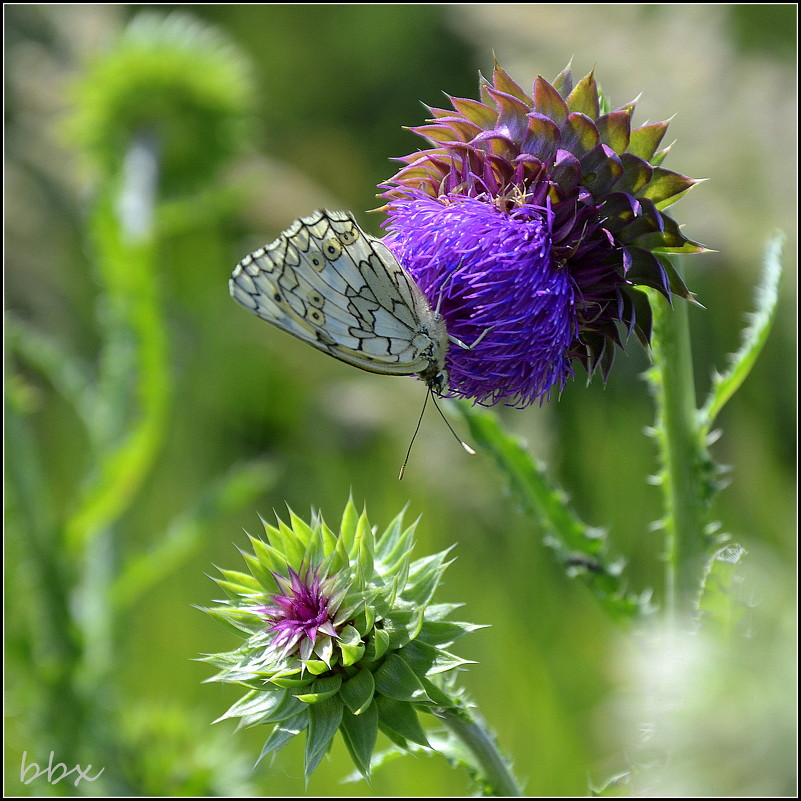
column 329, row 283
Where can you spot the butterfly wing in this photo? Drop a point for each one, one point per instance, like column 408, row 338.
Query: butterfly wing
column 329, row 283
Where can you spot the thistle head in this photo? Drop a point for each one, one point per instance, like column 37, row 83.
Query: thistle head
column 339, row 634
column 533, row 221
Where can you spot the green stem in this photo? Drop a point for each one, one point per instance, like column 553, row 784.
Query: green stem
column 479, row 741
column 683, row 454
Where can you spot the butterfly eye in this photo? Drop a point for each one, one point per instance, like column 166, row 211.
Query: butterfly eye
column 349, row 236
column 317, row 260
column 316, row 317
column 332, row 249
column 315, row 300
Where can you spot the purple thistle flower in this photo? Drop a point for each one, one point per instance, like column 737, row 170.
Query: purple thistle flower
column 528, row 224
column 304, row 610
column 489, row 272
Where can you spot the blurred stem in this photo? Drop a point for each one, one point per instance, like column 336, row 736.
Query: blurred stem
column 682, row 448
column 133, row 389
column 481, row 744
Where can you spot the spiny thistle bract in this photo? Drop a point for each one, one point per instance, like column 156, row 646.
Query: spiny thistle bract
column 340, row 635
column 529, row 223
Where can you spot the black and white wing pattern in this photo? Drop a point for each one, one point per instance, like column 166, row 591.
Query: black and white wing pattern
column 329, row 283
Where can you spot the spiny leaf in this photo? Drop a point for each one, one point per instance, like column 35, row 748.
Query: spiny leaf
column 359, row 733
column 563, row 531
column 754, row 337
column 324, row 720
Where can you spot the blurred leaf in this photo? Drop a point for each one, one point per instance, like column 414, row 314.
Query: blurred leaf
column 65, row 373
column 718, row 603
column 224, row 497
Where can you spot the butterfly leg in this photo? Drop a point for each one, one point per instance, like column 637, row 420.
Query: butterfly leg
column 462, row 345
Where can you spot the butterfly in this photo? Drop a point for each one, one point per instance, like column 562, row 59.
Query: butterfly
column 329, row 283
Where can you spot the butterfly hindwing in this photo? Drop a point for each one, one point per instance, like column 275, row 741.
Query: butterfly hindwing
column 329, row 283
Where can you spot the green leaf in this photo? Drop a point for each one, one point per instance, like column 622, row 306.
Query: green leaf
column 666, row 187
column 395, row 679
column 258, row 571
column 260, row 706
column 316, row 666
column 645, row 140
column 562, row 529
column 365, row 544
column 313, row 544
column 347, row 528
column 443, row 633
column 329, row 541
column 754, row 337
column 291, row 683
column 376, row 646
column 350, row 646
column 424, row 576
column 294, row 548
column 322, row 690
column 400, row 718
column 360, row 733
column 584, row 97
column 324, row 720
column 357, row 692
column 272, row 559
column 438, row 696
column 283, row 733
column 426, row 660
column 240, row 582
column 718, row 604
column 392, row 551
column 402, row 625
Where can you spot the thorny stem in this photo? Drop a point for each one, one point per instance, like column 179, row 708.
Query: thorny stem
column 681, row 442
column 479, row 741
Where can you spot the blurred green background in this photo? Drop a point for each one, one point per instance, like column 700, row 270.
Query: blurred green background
column 334, row 86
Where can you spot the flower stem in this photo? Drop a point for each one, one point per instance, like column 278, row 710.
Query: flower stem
column 492, row 765
column 683, row 456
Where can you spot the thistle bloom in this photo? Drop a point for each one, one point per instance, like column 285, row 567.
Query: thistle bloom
column 303, row 614
column 339, row 635
column 529, row 222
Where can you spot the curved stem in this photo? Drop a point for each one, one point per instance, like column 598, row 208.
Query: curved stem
column 492, row 765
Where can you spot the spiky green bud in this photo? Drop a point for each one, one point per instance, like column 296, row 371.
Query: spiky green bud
column 340, row 634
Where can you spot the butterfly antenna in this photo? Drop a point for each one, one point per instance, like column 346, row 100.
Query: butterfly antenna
column 414, row 436
column 450, row 427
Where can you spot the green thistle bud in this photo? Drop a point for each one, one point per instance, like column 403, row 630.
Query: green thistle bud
column 340, row 635
column 176, row 80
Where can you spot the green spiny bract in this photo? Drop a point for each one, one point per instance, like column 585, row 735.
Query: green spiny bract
column 340, row 635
